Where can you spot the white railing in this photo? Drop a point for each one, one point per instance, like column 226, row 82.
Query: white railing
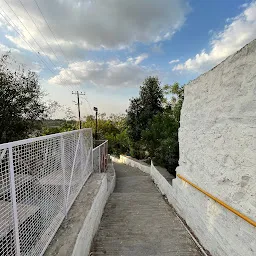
column 100, row 156
column 39, row 181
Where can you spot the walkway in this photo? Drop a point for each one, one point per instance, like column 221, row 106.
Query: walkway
column 137, row 221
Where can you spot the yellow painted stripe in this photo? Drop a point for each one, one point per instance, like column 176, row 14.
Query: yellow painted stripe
column 252, row 222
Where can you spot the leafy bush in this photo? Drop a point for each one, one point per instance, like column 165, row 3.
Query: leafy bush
column 161, row 140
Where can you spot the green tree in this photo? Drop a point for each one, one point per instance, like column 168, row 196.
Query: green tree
column 161, row 140
column 135, row 125
column 177, row 93
column 21, row 105
column 113, row 129
column 140, row 113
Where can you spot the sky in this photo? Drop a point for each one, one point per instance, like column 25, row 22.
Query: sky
column 106, row 48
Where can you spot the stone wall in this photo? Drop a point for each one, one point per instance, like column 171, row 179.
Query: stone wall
column 218, row 153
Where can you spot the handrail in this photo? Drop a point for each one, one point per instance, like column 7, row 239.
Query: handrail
column 30, row 140
column 247, row 219
column 105, row 141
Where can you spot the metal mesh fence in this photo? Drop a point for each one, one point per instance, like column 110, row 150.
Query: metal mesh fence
column 39, row 180
column 100, row 156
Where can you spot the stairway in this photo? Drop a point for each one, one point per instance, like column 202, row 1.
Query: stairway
column 137, row 221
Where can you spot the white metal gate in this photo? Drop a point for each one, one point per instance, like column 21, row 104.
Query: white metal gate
column 39, row 181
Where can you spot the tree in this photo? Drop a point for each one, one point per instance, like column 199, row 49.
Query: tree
column 153, row 123
column 21, row 105
column 151, row 95
column 141, row 111
column 177, row 93
column 161, row 140
column 135, row 126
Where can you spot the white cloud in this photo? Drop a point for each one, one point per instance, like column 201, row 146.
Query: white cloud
column 140, row 58
column 174, row 61
column 112, row 73
column 244, row 5
column 95, row 24
column 235, row 35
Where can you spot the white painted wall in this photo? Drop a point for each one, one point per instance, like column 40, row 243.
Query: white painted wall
column 218, row 152
column 218, row 130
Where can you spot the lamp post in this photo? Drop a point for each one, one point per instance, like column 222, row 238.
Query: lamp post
column 96, row 130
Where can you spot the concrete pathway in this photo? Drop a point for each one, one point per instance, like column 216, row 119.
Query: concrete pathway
column 137, row 221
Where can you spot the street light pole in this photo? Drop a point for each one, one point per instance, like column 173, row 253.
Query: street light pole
column 96, row 130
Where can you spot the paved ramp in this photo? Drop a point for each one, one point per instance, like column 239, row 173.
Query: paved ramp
column 137, row 221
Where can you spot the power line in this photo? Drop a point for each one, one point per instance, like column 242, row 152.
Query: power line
column 29, row 33
column 21, row 35
column 32, row 48
column 50, row 29
column 40, row 10
column 38, row 29
column 14, row 26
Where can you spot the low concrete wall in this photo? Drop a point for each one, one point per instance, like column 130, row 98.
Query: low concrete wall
column 219, row 231
column 75, row 235
column 92, row 220
column 132, row 162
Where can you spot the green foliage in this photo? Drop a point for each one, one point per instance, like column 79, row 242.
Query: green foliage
column 177, row 100
column 21, row 106
column 161, row 140
column 134, row 122
column 153, row 123
column 113, row 129
column 140, row 113
column 118, row 144
column 63, row 126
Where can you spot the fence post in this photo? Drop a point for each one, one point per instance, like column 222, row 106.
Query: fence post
column 105, row 158
column 92, row 154
column 82, row 154
column 106, row 154
column 62, row 145
column 99, row 158
column 14, row 202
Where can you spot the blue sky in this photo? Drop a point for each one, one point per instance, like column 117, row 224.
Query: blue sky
column 107, row 48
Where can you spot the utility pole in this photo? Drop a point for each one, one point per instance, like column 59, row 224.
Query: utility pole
column 78, row 106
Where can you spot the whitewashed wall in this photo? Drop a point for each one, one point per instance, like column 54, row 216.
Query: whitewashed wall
column 218, row 153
